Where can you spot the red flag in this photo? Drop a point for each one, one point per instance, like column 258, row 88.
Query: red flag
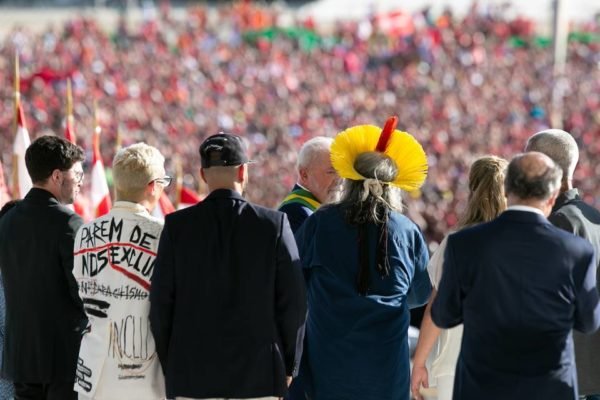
column 4, row 197
column 187, row 198
column 80, row 205
column 164, row 207
column 100, row 195
column 21, row 182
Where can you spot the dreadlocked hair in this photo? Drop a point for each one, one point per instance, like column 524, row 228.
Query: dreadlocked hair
column 368, row 202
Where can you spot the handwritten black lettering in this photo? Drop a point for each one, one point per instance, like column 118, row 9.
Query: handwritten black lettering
column 136, row 235
column 144, row 242
column 115, row 231
column 127, row 292
column 82, row 374
column 101, row 232
column 93, row 263
column 130, row 338
column 95, row 307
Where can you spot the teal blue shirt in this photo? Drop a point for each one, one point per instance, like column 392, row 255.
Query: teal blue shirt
column 357, row 346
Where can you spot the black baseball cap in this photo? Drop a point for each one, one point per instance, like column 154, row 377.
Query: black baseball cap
column 223, row 150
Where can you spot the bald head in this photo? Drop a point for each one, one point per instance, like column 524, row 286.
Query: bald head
column 234, row 178
column 560, row 147
column 532, row 176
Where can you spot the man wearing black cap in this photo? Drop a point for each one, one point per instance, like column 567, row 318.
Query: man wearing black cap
column 227, row 295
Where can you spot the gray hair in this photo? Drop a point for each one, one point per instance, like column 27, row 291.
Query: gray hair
column 312, row 148
column 559, row 146
column 370, row 200
column 527, row 180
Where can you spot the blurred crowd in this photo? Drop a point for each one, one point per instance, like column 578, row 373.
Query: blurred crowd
column 464, row 87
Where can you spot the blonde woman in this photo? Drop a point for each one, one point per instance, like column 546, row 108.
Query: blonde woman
column 486, row 202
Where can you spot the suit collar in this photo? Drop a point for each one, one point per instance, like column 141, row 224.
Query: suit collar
column 519, row 207
column 224, row 194
column 39, row 194
column 566, row 197
column 524, row 217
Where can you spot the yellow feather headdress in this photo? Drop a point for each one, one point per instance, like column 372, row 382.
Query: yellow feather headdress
column 400, row 146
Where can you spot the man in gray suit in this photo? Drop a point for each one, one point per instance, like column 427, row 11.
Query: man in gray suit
column 572, row 214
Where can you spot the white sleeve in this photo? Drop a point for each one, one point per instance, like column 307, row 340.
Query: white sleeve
column 434, row 268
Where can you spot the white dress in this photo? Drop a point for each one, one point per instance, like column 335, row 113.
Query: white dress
column 445, row 352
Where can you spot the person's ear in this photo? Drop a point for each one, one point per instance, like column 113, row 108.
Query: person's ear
column 152, row 188
column 552, row 199
column 202, row 175
column 241, row 173
column 303, row 174
column 56, row 176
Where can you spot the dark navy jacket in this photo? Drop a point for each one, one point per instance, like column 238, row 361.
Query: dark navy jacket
column 519, row 285
column 298, row 206
column 44, row 314
column 227, row 299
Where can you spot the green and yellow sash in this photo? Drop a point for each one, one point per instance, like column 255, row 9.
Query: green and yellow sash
column 302, row 196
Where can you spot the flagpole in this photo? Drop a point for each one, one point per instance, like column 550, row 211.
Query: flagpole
column 118, row 139
column 70, row 118
column 17, row 90
column 15, row 157
column 560, row 33
column 178, row 181
column 69, row 99
column 97, row 131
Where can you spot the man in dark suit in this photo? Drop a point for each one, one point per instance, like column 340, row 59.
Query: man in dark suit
column 318, row 183
column 519, row 285
column 227, row 298
column 44, row 314
column 574, row 215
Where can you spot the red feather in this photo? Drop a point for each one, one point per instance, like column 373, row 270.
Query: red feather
column 386, row 134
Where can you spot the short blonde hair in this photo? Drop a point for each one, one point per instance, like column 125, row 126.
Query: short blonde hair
column 133, row 168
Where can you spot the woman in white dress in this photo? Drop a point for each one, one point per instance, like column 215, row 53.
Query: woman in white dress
column 486, row 202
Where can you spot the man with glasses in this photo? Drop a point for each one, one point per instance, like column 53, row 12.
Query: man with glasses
column 45, row 316
column 114, row 259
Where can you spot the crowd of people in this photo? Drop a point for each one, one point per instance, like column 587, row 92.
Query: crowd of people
column 463, row 86
column 228, row 300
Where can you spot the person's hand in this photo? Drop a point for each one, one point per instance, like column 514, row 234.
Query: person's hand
column 288, row 381
column 419, row 377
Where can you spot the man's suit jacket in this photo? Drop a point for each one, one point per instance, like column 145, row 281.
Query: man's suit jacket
column 44, row 314
column 298, row 206
column 227, row 299
column 519, row 285
column 572, row 214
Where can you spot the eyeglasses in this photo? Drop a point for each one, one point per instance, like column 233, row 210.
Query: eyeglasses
column 165, row 181
column 77, row 175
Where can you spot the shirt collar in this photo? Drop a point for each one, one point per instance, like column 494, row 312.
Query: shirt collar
column 302, row 187
column 526, row 208
column 566, row 197
column 130, row 207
